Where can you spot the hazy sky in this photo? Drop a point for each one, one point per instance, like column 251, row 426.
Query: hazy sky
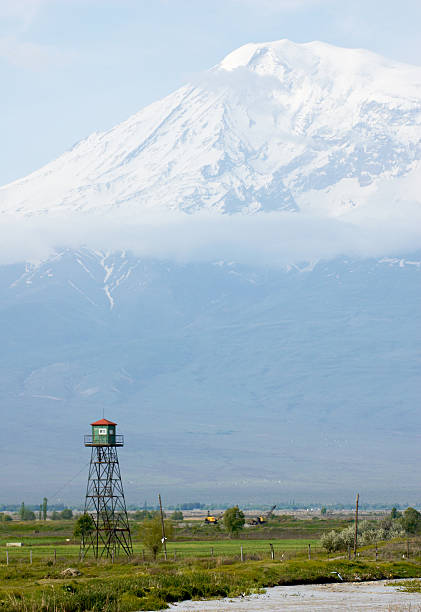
column 70, row 67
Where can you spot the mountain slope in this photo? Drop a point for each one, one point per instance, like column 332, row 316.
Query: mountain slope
column 230, row 383
column 273, row 126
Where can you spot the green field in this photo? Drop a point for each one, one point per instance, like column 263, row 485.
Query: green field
column 47, row 541
column 219, row 548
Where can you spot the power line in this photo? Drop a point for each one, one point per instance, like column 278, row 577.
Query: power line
column 53, row 497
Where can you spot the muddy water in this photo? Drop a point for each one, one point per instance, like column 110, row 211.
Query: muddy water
column 333, row 597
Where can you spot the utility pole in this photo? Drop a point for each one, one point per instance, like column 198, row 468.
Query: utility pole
column 164, row 539
column 356, row 525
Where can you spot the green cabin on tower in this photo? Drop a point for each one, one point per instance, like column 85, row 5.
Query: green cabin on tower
column 103, row 434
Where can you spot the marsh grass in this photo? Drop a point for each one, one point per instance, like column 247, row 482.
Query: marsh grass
column 129, row 587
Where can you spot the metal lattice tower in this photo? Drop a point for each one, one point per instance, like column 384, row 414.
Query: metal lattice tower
column 105, row 502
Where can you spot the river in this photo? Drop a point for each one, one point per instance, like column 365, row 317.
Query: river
column 337, row 597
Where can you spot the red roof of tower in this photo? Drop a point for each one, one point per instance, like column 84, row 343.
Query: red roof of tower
column 103, row 422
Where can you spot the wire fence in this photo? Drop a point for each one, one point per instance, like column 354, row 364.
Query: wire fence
column 62, row 555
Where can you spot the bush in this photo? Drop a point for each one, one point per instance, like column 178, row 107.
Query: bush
column 330, row 541
column 411, row 520
column 66, row 514
column 143, row 515
column 234, row 520
column 151, row 534
column 368, row 533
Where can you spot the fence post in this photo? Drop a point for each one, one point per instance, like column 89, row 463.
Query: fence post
column 212, row 551
column 7, row 557
column 349, row 553
column 407, row 548
column 377, row 552
column 112, row 556
column 309, row 551
column 241, row 553
column 272, row 552
column 30, row 557
column 175, row 555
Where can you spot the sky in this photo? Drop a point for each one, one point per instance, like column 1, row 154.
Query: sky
column 72, row 67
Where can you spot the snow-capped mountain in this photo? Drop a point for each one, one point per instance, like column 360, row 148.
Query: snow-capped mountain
column 232, row 380
column 274, row 126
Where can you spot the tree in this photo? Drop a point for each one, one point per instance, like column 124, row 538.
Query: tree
column 83, row 527
column 234, row 520
column 44, row 508
column 394, row 513
column 177, row 515
column 5, row 517
column 67, row 513
column 55, row 516
column 411, row 520
column 150, row 532
column 142, row 515
column 323, row 511
column 25, row 514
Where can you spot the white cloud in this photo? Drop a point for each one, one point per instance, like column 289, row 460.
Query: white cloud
column 20, row 13
column 273, row 239
column 26, row 54
column 273, row 6
column 16, row 18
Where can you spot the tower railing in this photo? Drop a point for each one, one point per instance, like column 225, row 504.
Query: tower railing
column 90, row 440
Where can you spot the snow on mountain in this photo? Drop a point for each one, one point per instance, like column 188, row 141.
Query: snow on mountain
column 274, row 126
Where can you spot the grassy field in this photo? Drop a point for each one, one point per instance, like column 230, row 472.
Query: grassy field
column 132, row 586
column 200, row 568
column 49, row 540
column 219, row 548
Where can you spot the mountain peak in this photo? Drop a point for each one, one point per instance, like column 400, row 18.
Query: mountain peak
column 281, row 56
column 295, row 126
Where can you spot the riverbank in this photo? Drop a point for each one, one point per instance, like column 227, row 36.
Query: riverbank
column 135, row 586
column 338, row 597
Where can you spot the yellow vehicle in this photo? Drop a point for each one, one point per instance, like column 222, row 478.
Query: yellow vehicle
column 212, row 520
column 261, row 520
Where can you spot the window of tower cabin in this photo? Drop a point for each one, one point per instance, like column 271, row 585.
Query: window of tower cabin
column 102, row 431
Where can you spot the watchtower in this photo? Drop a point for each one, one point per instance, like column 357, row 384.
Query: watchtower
column 105, row 502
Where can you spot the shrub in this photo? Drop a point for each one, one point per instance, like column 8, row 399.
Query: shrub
column 411, row 520
column 150, row 532
column 234, row 520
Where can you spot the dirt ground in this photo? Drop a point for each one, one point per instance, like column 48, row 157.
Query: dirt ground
column 333, row 597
